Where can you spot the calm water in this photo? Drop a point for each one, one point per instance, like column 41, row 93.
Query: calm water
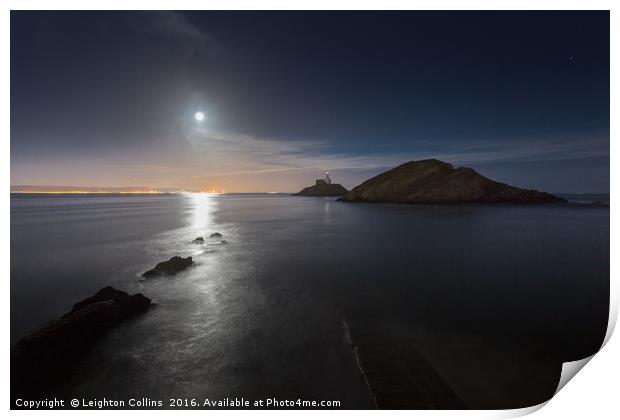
column 494, row 297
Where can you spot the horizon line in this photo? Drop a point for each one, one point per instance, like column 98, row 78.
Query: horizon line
column 65, row 189
column 57, row 189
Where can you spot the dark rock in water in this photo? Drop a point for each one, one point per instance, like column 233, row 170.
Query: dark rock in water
column 215, row 235
column 45, row 356
column 436, row 182
column 323, row 190
column 198, row 240
column 172, row 266
column 136, row 303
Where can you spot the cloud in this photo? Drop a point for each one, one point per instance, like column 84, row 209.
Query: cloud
column 234, row 153
column 225, row 147
column 536, row 148
column 244, row 162
column 175, row 27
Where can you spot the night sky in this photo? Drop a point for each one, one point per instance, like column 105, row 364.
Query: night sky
column 108, row 98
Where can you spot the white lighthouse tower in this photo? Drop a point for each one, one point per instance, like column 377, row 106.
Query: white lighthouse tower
column 324, row 181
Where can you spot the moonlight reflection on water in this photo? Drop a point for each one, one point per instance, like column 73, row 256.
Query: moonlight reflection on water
column 261, row 315
column 201, row 212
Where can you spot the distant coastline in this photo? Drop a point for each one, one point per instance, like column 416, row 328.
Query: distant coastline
column 137, row 192
column 91, row 192
column 571, row 197
column 64, row 189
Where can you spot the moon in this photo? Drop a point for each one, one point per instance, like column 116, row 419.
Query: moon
column 199, row 116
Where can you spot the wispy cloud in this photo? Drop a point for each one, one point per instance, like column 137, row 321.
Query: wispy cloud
column 174, row 26
column 234, row 153
column 243, row 162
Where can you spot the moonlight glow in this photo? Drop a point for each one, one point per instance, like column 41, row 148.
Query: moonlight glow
column 199, row 116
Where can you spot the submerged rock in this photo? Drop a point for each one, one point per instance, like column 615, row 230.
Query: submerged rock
column 46, row 355
column 395, row 372
column 172, row 266
column 435, row 182
column 215, row 235
column 198, row 240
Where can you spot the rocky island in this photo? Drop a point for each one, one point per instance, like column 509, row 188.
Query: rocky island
column 46, row 356
column 324, row 188
column 173, row 266
column 432, row 181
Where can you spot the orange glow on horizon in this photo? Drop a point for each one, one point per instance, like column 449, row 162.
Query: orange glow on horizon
column 153, row 191
column 93, row 192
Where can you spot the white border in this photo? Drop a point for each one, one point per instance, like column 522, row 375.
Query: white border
column 593, row 394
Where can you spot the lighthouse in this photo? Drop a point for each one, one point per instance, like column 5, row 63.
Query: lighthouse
column 324, row 187
column 322, row 181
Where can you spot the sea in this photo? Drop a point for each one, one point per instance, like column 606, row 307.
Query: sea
column 307, row 298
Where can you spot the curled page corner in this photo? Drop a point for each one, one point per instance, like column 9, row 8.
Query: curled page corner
column 518, row 412
column 569, row 370
column 613, row 314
